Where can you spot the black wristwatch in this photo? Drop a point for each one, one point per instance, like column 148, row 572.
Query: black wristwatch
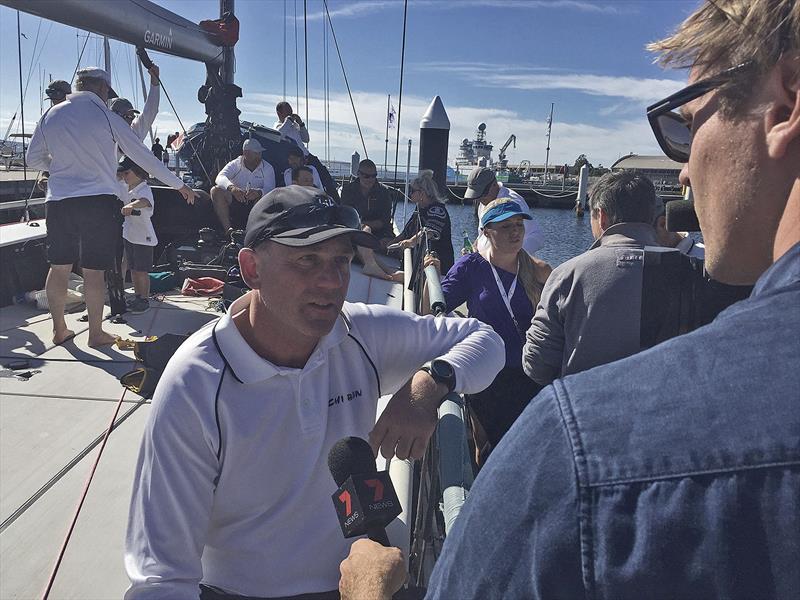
column 442, row 372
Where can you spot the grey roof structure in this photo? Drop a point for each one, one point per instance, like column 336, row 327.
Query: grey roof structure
column 642, row 162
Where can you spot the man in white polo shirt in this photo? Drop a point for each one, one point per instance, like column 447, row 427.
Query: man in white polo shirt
column 76, row 142
column 232, row 491
column 240, row 183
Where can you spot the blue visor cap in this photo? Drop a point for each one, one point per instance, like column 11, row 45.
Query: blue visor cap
column 501, row 212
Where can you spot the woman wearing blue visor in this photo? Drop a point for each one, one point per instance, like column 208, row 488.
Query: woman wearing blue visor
column 501, row 285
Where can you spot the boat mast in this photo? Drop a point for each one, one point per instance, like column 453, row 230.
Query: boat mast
column 228, row 67
column 21, row 101
column 549, row 129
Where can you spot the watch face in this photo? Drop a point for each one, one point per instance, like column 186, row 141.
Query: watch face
column 442, row 369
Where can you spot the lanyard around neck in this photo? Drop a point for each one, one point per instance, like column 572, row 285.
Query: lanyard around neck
column 507, row 296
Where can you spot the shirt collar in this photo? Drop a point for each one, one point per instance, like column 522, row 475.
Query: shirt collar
column 246, row 365
column 784, row 272
column 624, row 233
column 91, row 96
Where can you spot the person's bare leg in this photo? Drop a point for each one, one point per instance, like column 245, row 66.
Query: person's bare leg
column 95, row 296
column 56, row 289
column 221, row 200
column 372, row 268
column 141, row 283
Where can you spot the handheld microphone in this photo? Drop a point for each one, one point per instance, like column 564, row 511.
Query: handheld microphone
column 365, row 502
column 681, row 216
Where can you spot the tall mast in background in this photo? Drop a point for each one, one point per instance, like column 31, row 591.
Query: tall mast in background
column 549, row 129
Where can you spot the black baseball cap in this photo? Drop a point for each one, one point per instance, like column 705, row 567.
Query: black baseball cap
column 300, row 216
column 57, row 89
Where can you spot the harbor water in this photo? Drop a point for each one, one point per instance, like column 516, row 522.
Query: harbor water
column 565, row 234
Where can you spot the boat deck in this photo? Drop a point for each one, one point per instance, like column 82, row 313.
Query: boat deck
column 51, row 425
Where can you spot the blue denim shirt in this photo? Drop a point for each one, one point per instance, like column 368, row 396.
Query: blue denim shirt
column 674, row 473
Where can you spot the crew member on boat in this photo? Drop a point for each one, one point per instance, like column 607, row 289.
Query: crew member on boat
column 430, row 221
column 76, row 142
column 483, row 188
column 240, row 184
column 140, row 122
column 296, row 159
column 372, row 200
column 501, row 285
column 291, row 126
column 57, row 91
column 673, row 473
column 232, row 492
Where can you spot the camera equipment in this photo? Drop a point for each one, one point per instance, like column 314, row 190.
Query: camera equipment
column 681, row 216
column 678, row 296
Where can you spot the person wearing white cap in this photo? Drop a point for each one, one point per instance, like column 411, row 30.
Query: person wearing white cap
column 483, row 188
column 244, row 179
column 76, row 142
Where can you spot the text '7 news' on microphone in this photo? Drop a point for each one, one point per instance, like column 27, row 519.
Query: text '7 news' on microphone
column 366, row 501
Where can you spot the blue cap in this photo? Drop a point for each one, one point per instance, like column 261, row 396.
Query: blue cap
column 503, row 211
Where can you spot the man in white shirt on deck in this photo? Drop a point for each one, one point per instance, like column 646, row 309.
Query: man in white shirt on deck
column 140, row 122
column 240, row 183
column 76, row 142
column 232, row 492
column 290, row 125
column 296, row 159
column 482, row 188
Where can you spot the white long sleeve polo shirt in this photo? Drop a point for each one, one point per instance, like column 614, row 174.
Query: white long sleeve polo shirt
column 143, row 121
column 289, row 129
column 232, row 486
column 76, row 142
column 534, row 236
column 235, row 173
column 287, row 177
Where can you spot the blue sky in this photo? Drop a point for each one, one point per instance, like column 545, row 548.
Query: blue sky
column 497, row 61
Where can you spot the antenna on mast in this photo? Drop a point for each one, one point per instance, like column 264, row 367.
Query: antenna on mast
column 549, row 129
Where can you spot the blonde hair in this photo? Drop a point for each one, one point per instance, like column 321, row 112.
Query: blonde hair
column 725, row 33
column 526, row 269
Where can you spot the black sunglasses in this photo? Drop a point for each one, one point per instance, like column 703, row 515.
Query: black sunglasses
column 310, row 216
column 672, row 131
column 367, row 175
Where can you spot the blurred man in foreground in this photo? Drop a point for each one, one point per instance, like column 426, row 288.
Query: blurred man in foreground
column 674, row 473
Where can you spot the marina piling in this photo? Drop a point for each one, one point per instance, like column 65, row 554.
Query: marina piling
column 434, row 134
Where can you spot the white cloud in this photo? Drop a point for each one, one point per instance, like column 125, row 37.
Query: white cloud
column 641, row 89
column 365, row 7
column 602, row 144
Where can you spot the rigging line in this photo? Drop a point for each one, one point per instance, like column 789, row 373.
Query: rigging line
column 21, row 101
column 296, row 61
column 326, row 128
column 111, row 426
column 344, row 73
column 186, row 135
column 400, row 98
column 284, row 49
column 78, row 65
column 305, row 57
column 33, row 55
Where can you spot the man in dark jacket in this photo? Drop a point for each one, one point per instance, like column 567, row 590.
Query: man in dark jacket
column 372, row 200
column 674, row 473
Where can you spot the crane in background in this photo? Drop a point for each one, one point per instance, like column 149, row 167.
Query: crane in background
column 502, row 155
